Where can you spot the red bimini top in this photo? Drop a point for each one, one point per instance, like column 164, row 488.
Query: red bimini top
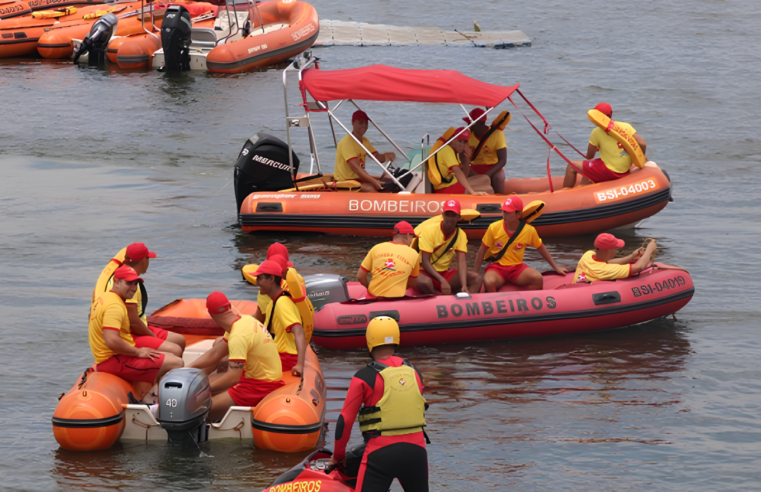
column 384, row 83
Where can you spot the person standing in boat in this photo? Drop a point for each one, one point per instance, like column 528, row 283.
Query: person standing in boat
column 388, row 396
column 138, row 257
column 351, row 157
column 491, row 157
column 111, row 341
column 282, row 317
column 393, row 266
column 506, row 241
column 602, row 264
column 253, row 363
column 453, row 163
column 439, row 244
column 614, row 162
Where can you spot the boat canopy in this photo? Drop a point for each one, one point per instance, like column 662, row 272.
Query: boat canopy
column 384, row 83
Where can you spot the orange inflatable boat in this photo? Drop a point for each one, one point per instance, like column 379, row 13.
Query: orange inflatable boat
column 96, row 412
column 15, row 8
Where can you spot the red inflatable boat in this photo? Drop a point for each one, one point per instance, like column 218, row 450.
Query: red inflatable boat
column 560, row 308
column 313, row 474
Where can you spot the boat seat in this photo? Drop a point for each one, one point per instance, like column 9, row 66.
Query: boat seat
column 203, row 38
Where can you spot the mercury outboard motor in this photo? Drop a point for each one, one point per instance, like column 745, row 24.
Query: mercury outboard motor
column 325, row 288
column 263, row 166
column 97, row 40
column 175, row 38
column 184, row 403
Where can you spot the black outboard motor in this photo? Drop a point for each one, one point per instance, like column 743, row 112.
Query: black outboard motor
column 97, row 40
column 263, row 166
column 184, row 403
column 175, row 38
column 325, row 288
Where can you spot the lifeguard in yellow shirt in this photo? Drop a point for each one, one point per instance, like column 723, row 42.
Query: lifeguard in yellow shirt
column 506, row 241
column 453, row 163
column 491, row 157
column 601, row 264
column 393, row 266
column 351, row 157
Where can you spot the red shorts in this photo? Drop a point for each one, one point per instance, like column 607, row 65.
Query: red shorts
column 455, row 189
column 481, row 168
column 249, row 392
column 447, row 276
column 288, row 361
column 598, row 172
column 508, row 273
column 147, row 341
column 132, row 369
column 162, row 334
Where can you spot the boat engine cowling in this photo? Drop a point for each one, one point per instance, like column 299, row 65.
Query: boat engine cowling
column 96, row 41
column 175, row 38
column 184, row 403
column 326, row 288
column 263, row 166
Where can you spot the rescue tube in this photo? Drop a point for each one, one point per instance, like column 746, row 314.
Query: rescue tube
column 561, row 308
column 280, row 29
column 502, row 120
column 434, row 174
column 54, row 14
column 630, row 145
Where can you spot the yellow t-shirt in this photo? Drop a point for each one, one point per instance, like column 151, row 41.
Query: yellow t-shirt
column 136, row 299
column 590, row 269
column 488, row 153
column 496, row 237
column 391, row 264
column 251, row 343
column 286, row 315
column 431, row 240
column 349, row 149
column 108, row 312
column 612, row 153
column 446, row 159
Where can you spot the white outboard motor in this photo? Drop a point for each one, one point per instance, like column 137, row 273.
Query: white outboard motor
column 325, row 288
column 97, row 40
column 184, row 403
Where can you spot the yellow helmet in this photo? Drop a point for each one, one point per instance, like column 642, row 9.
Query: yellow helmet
column 382, row 330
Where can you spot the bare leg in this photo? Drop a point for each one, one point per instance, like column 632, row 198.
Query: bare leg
column 498, row 182
column 220, row 404
column 475, row 281
column 425, row 285
column 170, row 348
column 531, row 279
column 170, row 362
column 481, row 182
column 493, row 281
column 570, row 175
column 178, row 340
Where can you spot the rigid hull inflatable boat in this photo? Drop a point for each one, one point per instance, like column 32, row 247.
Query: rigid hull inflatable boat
column 272, row 195
column 96, row 412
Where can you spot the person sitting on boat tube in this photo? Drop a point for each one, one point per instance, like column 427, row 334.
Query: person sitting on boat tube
column 111, row 341
column 387, row 395
column 138, row 257
column 492, row 156
column 439, row 244
column 393, row 266
column 263, row 300
column 601, row 263
column 282, row 317
column 613, row 163
column 506, row 241
column 351, row 157
column 254, row 366
column 453, row 162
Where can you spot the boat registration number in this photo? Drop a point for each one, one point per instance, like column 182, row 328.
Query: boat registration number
column 624, row 191
column 647, row 289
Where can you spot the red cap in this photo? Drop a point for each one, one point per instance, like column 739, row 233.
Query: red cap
column 359, row 115
column 271, row 267
column 513, row 204
column 280, row 261
column 138, row 251
column 217, row 303
column 606, row 241
column 404, row 227
column 127, row 273
column 452, row 206
column 475, row 115
column 279, row 249
column 462, row 136
column 605, row 109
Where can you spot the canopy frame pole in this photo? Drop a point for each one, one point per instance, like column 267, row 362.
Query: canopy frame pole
column 313, row 152
column 369, row 154
column 404, row 154
column 315, row 158
column 287, row 126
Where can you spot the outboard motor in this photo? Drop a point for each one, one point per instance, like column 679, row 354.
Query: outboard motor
column 97, row 40
column 325, row 288
column 184, row 403
column 175, row 38
column 263, row 166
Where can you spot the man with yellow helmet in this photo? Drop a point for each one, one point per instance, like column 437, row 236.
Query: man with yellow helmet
column 391, row 418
